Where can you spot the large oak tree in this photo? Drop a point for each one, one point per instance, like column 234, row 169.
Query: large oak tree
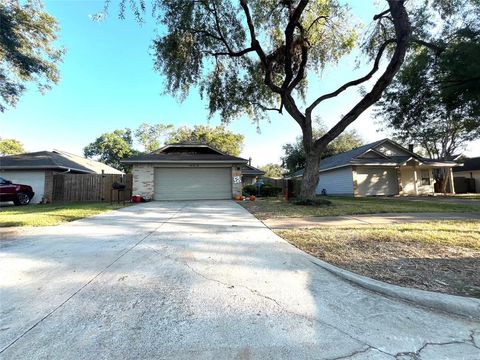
column 28, row 53
column 254, row 56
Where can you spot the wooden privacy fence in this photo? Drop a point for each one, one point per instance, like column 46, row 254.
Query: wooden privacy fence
column 88, row 187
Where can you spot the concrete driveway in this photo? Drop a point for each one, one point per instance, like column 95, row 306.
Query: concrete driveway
column 199, row 280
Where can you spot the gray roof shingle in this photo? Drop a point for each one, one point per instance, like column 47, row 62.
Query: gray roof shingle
column 185, row 153
column 55, row 160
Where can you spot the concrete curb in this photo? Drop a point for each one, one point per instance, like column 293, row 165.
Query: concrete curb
column 457, row 305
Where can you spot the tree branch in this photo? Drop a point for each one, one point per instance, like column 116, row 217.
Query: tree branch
column 261, row 54
column 353, row 82
column 402, row 35
column 289, row 32
column 437, row 49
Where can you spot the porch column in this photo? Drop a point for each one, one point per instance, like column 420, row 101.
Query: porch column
column 450, row 181
column 399, row 181
column 415, row 180
column 355, row 183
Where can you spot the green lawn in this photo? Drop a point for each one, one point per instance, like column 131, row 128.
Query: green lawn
column 51, row 214
column 440, row 256
column 277, row 207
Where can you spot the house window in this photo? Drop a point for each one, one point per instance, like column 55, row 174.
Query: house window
column 425, row 177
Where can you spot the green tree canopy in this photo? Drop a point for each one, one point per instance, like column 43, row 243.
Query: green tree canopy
column 111, row 147
column 250, row 57
column 434, row 101
column 294, row 154
column 27, row 49
column 150, row 136
column 218, row 137
column 11, row 147
column 273, row 170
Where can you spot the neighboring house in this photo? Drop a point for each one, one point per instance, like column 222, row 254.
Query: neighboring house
column 37, row 169
column 380, row 168
column 250, row 174
column 187, row 172
column 469, row 170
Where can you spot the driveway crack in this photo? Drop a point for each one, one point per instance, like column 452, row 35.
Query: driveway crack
column 259, row 294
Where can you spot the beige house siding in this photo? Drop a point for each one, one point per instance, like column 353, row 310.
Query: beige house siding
column 411, row 181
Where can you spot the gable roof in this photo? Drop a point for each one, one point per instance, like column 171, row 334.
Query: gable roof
column 469, row 165
column 250, row 170
column 55, row 160
column 185, row 153
column 353, row 157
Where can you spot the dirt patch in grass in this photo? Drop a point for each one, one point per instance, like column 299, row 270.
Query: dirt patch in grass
column 441, row 256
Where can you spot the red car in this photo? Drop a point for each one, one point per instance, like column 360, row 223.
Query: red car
column 18, row 193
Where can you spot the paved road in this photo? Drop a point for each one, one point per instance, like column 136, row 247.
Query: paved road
column 365, row 219
column 198, row 280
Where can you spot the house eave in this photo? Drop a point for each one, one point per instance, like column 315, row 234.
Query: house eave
column 184, row 161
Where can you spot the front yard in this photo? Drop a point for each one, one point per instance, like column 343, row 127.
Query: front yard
column 441, row 256
column 51, row 214
column 275, row 207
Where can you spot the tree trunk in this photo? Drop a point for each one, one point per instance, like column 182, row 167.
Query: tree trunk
column 310, row 177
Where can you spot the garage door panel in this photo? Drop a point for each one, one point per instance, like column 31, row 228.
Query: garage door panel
column 376, row 181
column 192, row 183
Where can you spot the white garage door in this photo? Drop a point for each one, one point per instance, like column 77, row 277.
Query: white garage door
column 376, row 181
column 35, row 179
column 193, row 183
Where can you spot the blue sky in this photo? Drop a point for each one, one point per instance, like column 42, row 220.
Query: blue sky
column 108, row 82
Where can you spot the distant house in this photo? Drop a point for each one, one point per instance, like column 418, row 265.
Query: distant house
column 250, row 174
column 383, row 167
column 469, row 170
column 187, row 171
column 37, row 169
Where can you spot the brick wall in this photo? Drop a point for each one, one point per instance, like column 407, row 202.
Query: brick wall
column 143, row 183
column 236, row 180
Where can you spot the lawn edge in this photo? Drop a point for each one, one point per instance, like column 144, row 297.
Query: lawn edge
column 452, row 304
column 458, row 305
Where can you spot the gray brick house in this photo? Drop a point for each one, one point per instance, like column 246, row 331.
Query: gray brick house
column 187, row 172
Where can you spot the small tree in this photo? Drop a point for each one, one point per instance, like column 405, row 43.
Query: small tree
column 254, row 57
column 295, row 157
column 111, row 147
column 27, row 51
column 273, row 170
column 11, row 147
column 218, row 137
column 150, row 136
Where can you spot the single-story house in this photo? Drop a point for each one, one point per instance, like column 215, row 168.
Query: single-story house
column 187, row 171
column 469, row 170
column 383, row 168
column 37, row 169
column 250, row 174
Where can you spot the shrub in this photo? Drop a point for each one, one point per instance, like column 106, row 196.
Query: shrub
column 270, row 190
column 249, row 190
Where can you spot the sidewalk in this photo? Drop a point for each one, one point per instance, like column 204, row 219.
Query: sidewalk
column 367, row 219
